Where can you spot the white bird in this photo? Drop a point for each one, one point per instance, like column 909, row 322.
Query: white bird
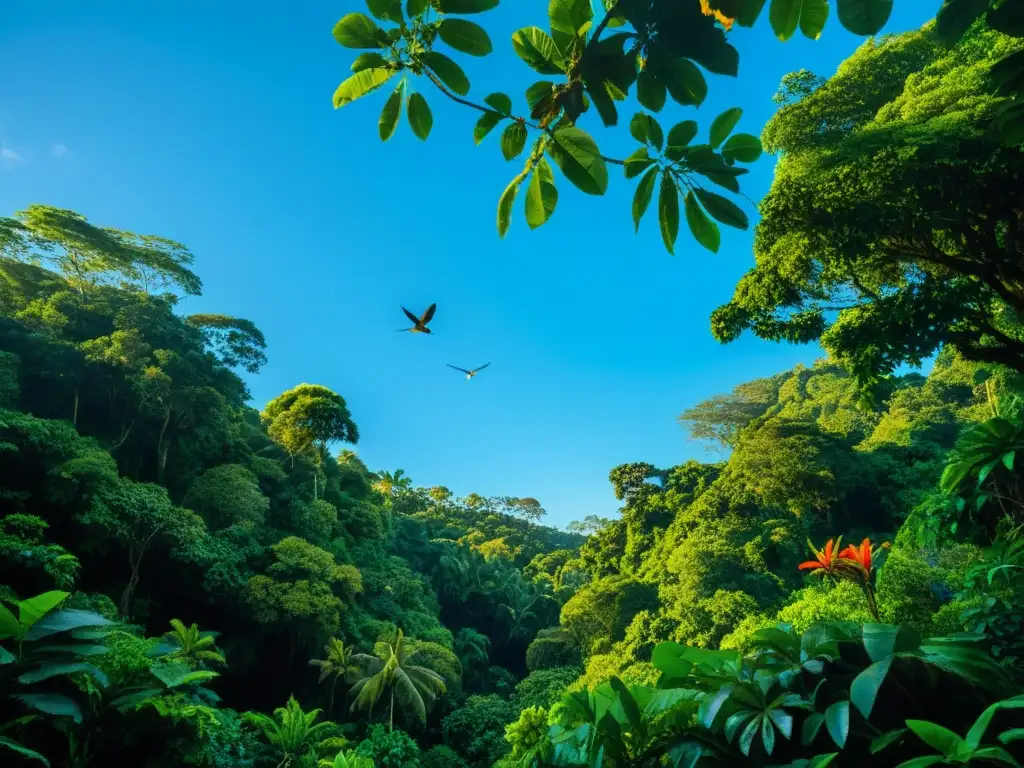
column 469, row 374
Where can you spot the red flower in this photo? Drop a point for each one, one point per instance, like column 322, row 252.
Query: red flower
column 827, row 560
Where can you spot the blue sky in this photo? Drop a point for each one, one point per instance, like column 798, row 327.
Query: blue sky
column 212, row 124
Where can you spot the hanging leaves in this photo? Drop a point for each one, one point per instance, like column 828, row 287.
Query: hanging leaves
column 361, row 84
column 513, row 140
column 356, row 30
column 386, row 10
column 465, row 6
column 642, row 196
column 541, row 195
column 742, row 147
column 508, row 199
column 864, row 17
column 420, row 118
column 535, row 47
column 703, row 229
column 449, row 72
column 668, row 211
column 723, row 209
column 465, row 36
column 722, row 125
column 577, row 156
column 391, row 113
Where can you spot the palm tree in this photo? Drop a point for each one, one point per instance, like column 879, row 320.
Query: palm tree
column 389, row 482
column 337, row 664
column 521, row 597
column 291, row 731
column 389, row 669
column 192, row 646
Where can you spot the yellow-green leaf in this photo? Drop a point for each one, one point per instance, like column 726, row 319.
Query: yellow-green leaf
column 513, row 139
column 387, row 10
column 368, row 61
column 357, row 30
column 668, row 211
column 578, row 157
column 570, row 19
column 535, row 47
column 449, row 72
column 541, row 195
column 360, row 84
column 508, row 199
column 420, row 119
column 703, row 229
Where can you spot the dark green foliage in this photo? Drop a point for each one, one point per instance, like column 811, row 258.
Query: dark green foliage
column 475, row 731
column 394, row 749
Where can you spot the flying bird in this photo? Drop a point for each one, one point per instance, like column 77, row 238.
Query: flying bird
column 419, row 323
column 469, row 374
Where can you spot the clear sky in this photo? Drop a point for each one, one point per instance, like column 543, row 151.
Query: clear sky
column 211, row 123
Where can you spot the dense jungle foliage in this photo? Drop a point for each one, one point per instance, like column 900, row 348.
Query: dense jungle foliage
column 187, row 580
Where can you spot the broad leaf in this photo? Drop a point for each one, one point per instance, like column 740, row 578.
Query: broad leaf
column 704, row 230
column 682, row 133
column 6, row 657
column 390, row 114
column 541, row 195
column 361, row 84
column 668, row 211
column 386, row 10
column 722, row 209
column 500, row 102
column 46, row 671
column 52, row 704
column 936, row 736
column 837, row 721
column 890, row 737
column 9, row 626
column 449, row 72
column 977, row 732
column 743, row 148
column 70, row 619
column 865, row 687
column 465, row 36
column 485, row 125
column 784, row 15
column 578, row 157
column 956, row 16
column 508, row 199
column 539, row 92
column 466, row 6
column 420, row 119
column 416, row 7
column 177, row 673
column 646, row 130
column 642, row 196
column 357, row 30
column 650, row 91
column 722, row 125
column 813, row 18
column 686, row 84
column 882, row 640
column 864, row 17
column 513, row 140
column 32, row 610
column 23, row 750
column 569, row 19
column 368, row 60
column 538, row 50
column 637, row 163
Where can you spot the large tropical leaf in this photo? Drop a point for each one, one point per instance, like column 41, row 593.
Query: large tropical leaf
column 64, row 621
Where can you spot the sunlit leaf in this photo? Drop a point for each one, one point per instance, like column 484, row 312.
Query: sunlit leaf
column 513, row 139
column 541, row 195
column 637, row 163
column 361, row 84
column 386, row 10
column 646, row 130
column 449, row 72
column 569, row 19
column 357, row 30
column 465, row 36
column 813, row 18
column 500, row 102
column 34, row 608
column 368, row 60
column 784, row 16
column 485, row 125
column 577, row 156
column 936, row 736
column 508, row 199
column 390, row 114
column 535, row 47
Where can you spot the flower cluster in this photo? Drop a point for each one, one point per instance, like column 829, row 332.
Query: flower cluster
column 854, row 562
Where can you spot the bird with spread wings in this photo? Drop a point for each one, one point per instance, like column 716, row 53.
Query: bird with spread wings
column 469, row 374
column 419, row 324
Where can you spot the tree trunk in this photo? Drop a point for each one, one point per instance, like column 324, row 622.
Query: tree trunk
column 133, row 582
column 161, row 452
column 315, row 488
column 74, row 413
column 391, row 710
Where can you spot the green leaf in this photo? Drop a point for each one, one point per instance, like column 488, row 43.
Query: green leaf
column 682, row 133
column 821, row 761
column 541, row 195
column 368, row 61
column 419, row 115
column 995, row 754
column 569, row 19
column 642, row 196
column 646, row 130
column 1012, row 735
column 357, row 30
column 390, row 114
column 784, row 15
column 500, row 102
column 813, row 18
column 52, row 704
column 883, row 741
column 864, row 689
column 361, row 84
column 650, row 91
column 837, row 721
column 32, row 610
column 23, row 750
column 723, row 210
column 508, row 199
column 977, row 732
column 1008, row 458
column 747, row 737
column 723, row 125
column 465, row 36
column 466, row 6
column 46, row 671
column 538, row 92
column 416, row 7
column 637, row 163
column 513, row 140
column 386, row 10
column 577, row 156
column 864, row 17
column 6, row 657
column 685, row 83
column 936, row 736
column 450, row 72
column 882, row 640
column 668, row 212
column 484, row 125
column 704, row 230
column 535, row 47
column 743, row 148
column 809, row 730
column 9, row 626
column 767, row 735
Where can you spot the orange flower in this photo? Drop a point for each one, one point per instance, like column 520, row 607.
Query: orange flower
column 707, row 10
column 826, row 558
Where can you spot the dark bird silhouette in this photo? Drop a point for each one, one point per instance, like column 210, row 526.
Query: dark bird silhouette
column 469, row 374
column 419, row 323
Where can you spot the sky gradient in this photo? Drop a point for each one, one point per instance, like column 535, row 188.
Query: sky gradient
column 214, row 127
